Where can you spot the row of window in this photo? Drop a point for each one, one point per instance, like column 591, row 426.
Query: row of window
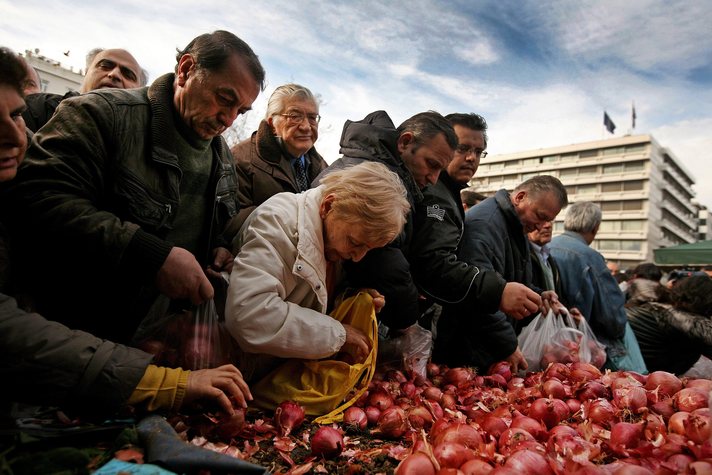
column 626, row 245
column 615, row 187
column 571, row 157
column 587, row 171
column 612, row 226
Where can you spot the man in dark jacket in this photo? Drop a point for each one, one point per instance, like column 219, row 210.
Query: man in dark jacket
column 418, row 150
column 280, row 155
column 495, row 239
column 106, row 68
column 445, row 279
column 133, row 189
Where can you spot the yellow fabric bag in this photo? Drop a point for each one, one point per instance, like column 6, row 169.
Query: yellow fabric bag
column 321, row 386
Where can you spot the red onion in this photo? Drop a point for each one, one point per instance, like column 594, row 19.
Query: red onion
column 676, row 423
column 372, row 414
column 515, row 382
column 503, row 368
column 432, row 369
column 380, row 399
column 408, row 389
column 574, row 405
column 632, row 398
column 356, row 418
column 689, row 399
column 448, row 401
column 393, row 422
column 493, row 425
column 432, row 393
column 679, row 463
column 664, row 408
column 666, row 383
column 458, row 376
column 549, row 411
column 531, row 425
column 697, row 428
column 554, row 388
column 476, row 467
column 561, row 430
column 625, row 435
column 704, row 384
column 557, row 370
column 417, row 463
column 459, row 433
column 600, row 411
column 230, row 426
column 288, row 416
column 452, row 455
column 396, row 376
column 327, row 442
column 419, row 417
column 592, row 390
column 496, row 381
column 512, row 438
column 529, row 462
column 581, row 371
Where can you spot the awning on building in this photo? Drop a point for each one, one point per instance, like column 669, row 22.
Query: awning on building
column 693, row 254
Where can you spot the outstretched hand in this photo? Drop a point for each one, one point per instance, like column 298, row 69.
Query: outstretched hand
column 220, row 385
column 180, row 277
column 519, row 301
column 356, row 345
column 517, row 361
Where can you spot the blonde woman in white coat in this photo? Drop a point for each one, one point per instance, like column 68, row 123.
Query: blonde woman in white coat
column 289, row 266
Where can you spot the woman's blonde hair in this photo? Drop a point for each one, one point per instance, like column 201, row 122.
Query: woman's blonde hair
column 371, row 195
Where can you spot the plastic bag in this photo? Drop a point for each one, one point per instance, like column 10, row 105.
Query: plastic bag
column 551, row 338
column 322, row 386
column 189, row 338
column 409, row 351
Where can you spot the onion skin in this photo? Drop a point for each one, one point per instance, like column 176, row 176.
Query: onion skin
column 372, row 415
column 355, row 417
column 452, row 455
column 689, row 399
column 327, row 442
column 229, row 427
column 476, row 467
column 529, row 462
column 393, row 422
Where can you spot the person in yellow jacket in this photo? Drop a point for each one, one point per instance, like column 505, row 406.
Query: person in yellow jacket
column 45, row 362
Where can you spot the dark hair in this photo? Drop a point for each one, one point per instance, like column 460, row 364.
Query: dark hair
column 426, row 125
column 470, row 121
column 471, row 197
column 545, row 183
column 648, row 270
column 12, row 70
column 693, row 294
column 212, row 50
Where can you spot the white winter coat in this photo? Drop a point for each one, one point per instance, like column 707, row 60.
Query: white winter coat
column 277, row 297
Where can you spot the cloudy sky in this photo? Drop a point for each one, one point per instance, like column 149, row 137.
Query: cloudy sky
column 541, row 72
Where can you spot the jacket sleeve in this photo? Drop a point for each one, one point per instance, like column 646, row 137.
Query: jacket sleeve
column 51, row 364
column 696, row 327
column 63, row 185
column 608, row 315
column 436, row 268
column 260, row 312
column 245, row 200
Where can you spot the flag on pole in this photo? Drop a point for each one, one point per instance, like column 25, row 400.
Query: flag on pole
column 610, row 126
column 633, row 116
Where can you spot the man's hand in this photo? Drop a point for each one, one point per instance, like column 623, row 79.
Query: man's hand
column 517, row 361
column 550, row 301
column 519, row 301
column 379, row 301
column 218, row 384
column 181, row 277
column 356, row 344
column 222, row 262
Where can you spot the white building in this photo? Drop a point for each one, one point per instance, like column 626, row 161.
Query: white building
column 644, row 191
column 54, row 77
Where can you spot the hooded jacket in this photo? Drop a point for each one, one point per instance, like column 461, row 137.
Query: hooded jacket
column 375, row 139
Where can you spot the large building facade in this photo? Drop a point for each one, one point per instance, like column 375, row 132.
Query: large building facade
column 644, row 192
column 54, row 77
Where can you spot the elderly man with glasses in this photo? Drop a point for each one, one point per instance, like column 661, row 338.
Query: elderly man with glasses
column 445, row 279
column 280, row 154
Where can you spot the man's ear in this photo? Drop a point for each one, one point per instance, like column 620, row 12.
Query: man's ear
column 405, row 139
column 325, row 206
column 519, row 197
column 186, row 67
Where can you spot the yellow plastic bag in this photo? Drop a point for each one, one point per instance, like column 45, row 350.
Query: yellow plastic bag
column 321, row 386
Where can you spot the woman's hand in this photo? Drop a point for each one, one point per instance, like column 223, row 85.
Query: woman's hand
column 357, row 344
column 221, row 385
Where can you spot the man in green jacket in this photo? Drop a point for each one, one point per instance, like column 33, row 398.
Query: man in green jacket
column 125, row 193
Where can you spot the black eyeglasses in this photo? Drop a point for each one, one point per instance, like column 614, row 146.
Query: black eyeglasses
column 295, row 118
column 465, row 150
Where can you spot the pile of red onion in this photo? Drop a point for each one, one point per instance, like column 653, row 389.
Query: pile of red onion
column 569, row 418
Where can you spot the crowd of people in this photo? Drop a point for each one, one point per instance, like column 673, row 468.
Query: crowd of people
column 125, row 194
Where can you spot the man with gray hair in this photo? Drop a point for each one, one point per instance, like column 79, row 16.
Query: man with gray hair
column 105, row 68
column 135, row 188
column 495, row 239
column 587, row 284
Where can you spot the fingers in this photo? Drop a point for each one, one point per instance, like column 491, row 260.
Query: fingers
column 224, row 385
column 204, row 291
